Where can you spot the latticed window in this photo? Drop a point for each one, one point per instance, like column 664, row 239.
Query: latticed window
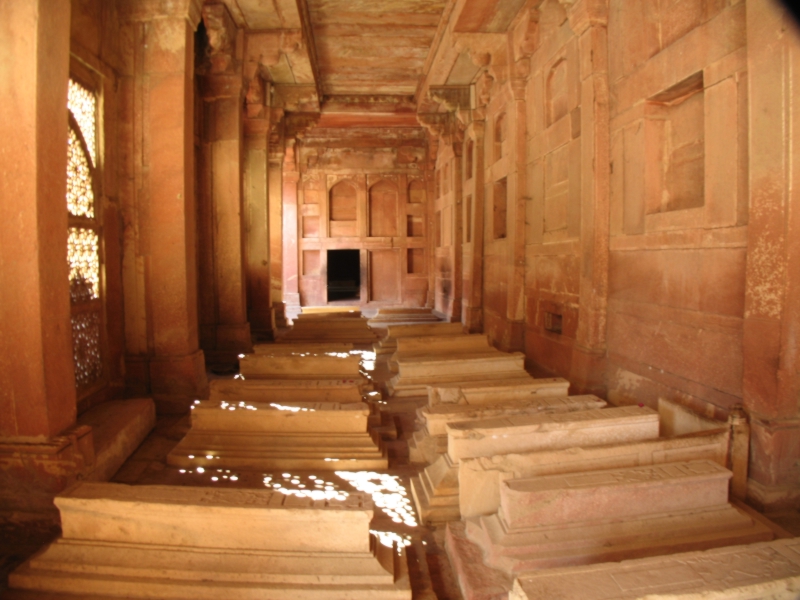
column 83, row 246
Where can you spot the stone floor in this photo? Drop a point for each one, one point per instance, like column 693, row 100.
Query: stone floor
column 431, row 575
column 429, row 568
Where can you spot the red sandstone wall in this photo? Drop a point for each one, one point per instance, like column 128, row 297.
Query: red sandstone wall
column 678, row 203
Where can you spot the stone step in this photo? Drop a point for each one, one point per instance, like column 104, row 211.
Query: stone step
column 182, row 542
column 284, row 391
column 435, row 492
column 761, row 570
column 492, row 392
column 480, row 478
column 524, row 433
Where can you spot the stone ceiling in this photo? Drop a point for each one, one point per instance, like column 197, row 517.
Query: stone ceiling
column 365, row 56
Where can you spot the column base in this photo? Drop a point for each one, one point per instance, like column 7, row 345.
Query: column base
column 182, row 376
column 473, row 319
column 774, row 474
column 291, row 303
column 235, row 337
column 588, row 372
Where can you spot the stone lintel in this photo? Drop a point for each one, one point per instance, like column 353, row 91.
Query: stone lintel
column 148, row 10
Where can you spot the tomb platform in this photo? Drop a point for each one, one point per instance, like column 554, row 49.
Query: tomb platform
column 388, row 345
column 760, row 570
column 430, row 439
column 387, row 316
column 611, row 515
column 286, row 390
column 346, row 367
column 491, row 392
column 436, row 491
column 280, row 348
column 524, row 433
column 436, row 346
column 480, row 478
column 184, row 542
column 262, row 435
column 328, row 312
column 326, row 328
column 415, row 375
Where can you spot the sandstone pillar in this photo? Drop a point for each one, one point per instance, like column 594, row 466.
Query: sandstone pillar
column 771, row 384
column 224, row 311
column 37, row 383
column 515, row 311
column 160, row 266
column 473, row 312
column 589, row 21
column 291, row 177
column 275, row 201
column 256, row 192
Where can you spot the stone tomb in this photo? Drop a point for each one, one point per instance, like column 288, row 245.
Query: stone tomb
column 285, row 390
column 474, row 401
column 184, row 542
column 387, row 316
column 761, row 570
column 435, row 346
column 480, row 479
column 316, row 366
column 388, row 345
column 328, row 328
column 489, row 392
column 436, row 490
column 268, row 435
column 416, row 374
column 302, row 348
column 599, row 516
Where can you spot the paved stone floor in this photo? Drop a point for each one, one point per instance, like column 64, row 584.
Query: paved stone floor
column 431, row 576
column 429, row 569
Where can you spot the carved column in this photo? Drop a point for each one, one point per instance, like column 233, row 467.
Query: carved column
column 589, row 20
column 160, row 263
column 771, row 385
column 223, row 311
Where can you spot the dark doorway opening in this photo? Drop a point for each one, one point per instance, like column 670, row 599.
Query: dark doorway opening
column 344, row 275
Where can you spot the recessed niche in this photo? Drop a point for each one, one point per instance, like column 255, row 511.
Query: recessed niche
column 414, row 226
column 416, row 192
column 552, row 322
column 416, row 261
column 675, row 136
